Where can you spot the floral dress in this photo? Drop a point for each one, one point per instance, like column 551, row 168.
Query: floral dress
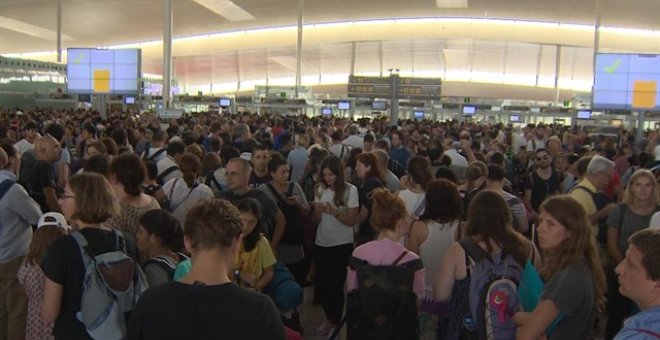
column 33, row 279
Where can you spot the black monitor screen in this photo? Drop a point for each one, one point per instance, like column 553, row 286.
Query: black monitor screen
column 129, row 100
column 326, row 111
column 224, row 102
column 514, row 118
column 469, row 110
column 419, row 114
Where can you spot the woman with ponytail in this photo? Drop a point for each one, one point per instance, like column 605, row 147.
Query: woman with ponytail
column 183, row 193
column 419, row 175
column 160, row 240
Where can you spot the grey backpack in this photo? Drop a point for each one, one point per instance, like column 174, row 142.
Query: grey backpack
column 112, row 285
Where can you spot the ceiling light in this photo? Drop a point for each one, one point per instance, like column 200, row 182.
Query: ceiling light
column 226, row 9
column 29, row 29
column 451, row 3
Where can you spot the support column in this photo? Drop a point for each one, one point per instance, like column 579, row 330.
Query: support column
column 299, row 47
column 557, row 66
column 641, row 115
column 353, row 48
column 596, row 46
column 394, row 110
column 59, row 31
column 167, row 52
column 380, row 56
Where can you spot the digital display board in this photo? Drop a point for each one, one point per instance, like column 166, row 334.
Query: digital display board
column 344, row 105
column 225, row 102
column 584, row 114
column 379, row 105
column 326, row 111
column 627, row 81
column 98, row 71
column 469, row 110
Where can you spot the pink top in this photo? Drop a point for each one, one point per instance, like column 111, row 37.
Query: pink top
column 385, row 252
column 33, row 279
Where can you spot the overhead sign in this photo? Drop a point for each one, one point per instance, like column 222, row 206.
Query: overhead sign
column 382, row 87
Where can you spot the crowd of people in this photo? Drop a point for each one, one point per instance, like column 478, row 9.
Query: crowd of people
column 225, row 217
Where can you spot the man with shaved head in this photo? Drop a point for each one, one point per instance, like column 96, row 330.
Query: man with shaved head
column 41, row 183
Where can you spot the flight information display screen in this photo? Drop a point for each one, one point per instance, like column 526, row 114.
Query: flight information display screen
column 627, row 81
column 103, row 71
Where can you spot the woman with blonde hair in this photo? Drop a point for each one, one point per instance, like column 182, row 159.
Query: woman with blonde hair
column 634, row 213
column 572, row 271
column 88, row 203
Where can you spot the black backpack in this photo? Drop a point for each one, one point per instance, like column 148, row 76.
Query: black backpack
column 28, row 159
column 384, row 305
column 293, row 232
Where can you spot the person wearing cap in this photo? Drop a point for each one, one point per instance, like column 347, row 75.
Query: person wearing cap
column 31, row 136
column 50, row 227
column 17, row 213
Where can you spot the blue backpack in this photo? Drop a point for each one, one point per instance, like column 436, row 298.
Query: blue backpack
column 112, row 285
column 493, row 296
column 283, row 289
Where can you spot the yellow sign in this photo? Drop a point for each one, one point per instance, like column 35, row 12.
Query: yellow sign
column 101, row 81
column 644, row 94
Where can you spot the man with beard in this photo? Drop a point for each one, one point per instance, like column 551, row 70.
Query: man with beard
column 541, row 183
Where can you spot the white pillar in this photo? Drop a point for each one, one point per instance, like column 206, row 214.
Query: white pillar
column 299, row 47
column 167, row 52
column 59, row 31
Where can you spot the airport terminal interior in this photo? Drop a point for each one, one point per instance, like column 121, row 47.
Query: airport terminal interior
column 489, row 72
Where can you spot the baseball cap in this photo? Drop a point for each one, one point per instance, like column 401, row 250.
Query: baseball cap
column 54, row 219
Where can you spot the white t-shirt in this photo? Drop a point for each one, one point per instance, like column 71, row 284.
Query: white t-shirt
column 23, row 145
column 331, row 231
column 177, row 191
column 655, row 221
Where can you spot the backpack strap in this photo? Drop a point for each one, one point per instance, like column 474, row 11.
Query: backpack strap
column 648, row 332
column 472, row 251
column 275, row 193
column 83, row 246
column 210, row 179
column 398, row 259
column 120, row 240
column 167, row 171
column 156, row 154
column 176, row 206
column 355, row 263
column 413, row 265
column 5, row 186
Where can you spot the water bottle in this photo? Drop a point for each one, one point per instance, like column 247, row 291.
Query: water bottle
column 469, row 324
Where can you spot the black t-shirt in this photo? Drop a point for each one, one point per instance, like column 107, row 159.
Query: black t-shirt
column 542, row 188
column 256, row 181
column 180, row 311
column 42, row 176
column 366, row 232
column 268, row 206
column 63, row 265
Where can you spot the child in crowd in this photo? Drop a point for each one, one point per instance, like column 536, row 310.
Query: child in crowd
column 50, row 227
column 160, row 240
column 254, row 265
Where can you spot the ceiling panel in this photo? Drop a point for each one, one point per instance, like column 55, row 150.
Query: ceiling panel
column 123, row 21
